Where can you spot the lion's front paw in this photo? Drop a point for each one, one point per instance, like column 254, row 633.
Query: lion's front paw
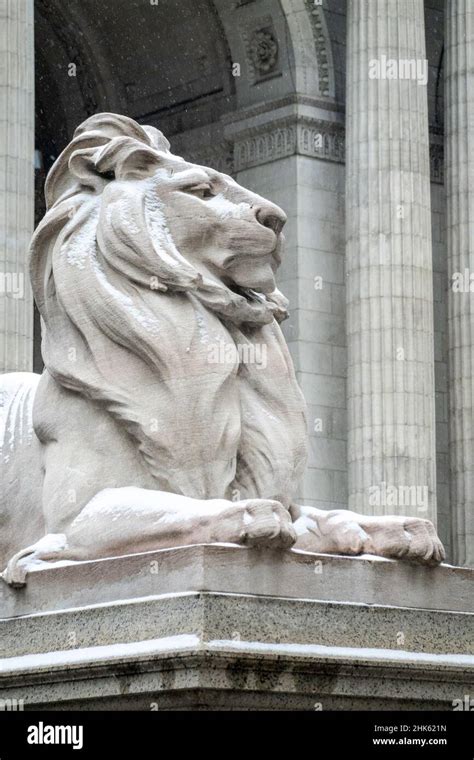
column 410, row 538
column 255, row 522
column 344, row 532
column 50, row 547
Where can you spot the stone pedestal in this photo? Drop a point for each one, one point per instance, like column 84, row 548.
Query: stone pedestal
column 222, row 627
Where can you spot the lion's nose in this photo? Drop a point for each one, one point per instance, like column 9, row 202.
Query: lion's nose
column 272, row 217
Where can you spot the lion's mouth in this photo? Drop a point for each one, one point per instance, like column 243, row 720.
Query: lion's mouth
column 239, row 290
column 249, row 294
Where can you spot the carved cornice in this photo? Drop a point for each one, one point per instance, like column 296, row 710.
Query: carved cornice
column 264, row 146
column 305, row 136
column 287, row 137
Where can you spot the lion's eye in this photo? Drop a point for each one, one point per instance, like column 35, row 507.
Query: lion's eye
column 202, row 191
column 108, row 175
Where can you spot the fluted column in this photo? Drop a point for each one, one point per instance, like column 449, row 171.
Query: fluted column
column 17, row 121
column 391, row 393
column 459, row 138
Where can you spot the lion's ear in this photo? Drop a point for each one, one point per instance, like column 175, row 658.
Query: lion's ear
column 63, row 180
column 83, row 167
column 126, row 158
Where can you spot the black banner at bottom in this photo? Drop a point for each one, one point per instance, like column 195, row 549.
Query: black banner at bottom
column 136, row 734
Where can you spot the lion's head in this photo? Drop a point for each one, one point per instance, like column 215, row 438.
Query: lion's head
column 130, row 234
column 166, row 224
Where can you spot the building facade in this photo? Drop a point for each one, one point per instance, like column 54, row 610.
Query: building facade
column 357, row 118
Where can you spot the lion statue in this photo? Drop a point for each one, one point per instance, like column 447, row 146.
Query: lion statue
column 139, row 435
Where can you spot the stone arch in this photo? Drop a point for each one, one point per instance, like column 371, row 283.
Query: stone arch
column 301, row 34
column 312, row 50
